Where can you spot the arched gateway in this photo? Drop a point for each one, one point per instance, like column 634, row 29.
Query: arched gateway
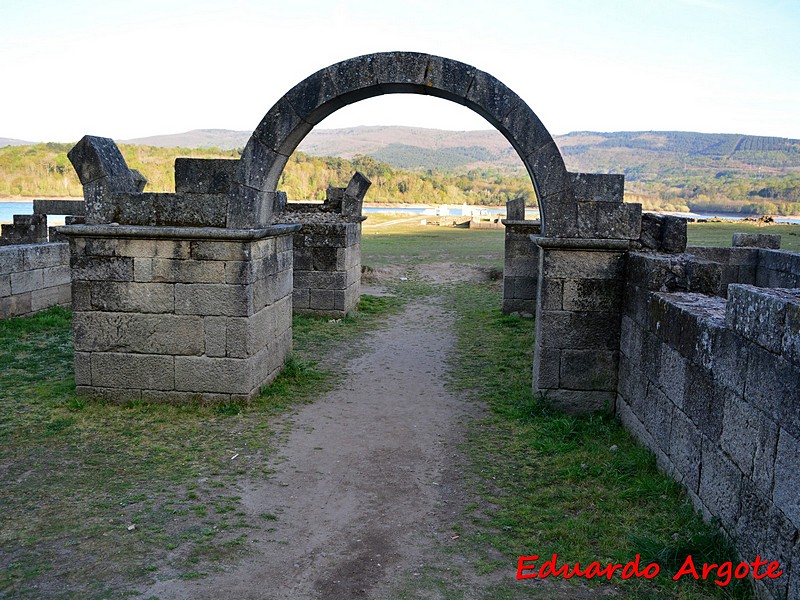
column 349, row 81
column 189, row 295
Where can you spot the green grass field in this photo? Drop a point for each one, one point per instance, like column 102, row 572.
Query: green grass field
column 98, row 499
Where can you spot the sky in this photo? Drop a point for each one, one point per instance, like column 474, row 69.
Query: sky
column 128, row 69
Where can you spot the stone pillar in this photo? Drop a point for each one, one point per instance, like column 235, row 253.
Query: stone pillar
column 578, row 317
column 521, row 260
column 176, row 297
column 179, row 314
column 327, row 251
column 327, row 268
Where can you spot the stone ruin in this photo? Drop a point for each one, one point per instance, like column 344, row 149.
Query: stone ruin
column 189, row 296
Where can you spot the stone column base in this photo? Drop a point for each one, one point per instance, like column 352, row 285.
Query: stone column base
column 578, row 317
column 179, row 314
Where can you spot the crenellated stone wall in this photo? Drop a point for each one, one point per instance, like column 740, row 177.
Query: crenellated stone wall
column 712, row 386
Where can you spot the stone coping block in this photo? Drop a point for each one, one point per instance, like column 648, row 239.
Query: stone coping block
column 515, row 209
column 204, row 175
column 192, row 233
column 522, row 223
column 59, row 207
column 598, row 187
column 769, row 241
column 581, row 243
column 769, row 317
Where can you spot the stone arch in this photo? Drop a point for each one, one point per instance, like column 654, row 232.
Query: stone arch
column 329, row 89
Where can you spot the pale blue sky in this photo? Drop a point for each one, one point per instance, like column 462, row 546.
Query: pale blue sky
column 132, row 69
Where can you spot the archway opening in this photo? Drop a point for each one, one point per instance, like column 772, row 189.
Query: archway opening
column 389, row 139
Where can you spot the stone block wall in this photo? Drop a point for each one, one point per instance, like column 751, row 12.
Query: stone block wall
column 179, row 314
column 712, row 387
column 33, row 277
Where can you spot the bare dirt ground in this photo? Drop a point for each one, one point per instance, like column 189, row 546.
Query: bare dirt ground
column 370, row 487
column 367, row 485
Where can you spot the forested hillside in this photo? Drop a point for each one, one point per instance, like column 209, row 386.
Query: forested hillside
column 44, row 170
column 663, row 170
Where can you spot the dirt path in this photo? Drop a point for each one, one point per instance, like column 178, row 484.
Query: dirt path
column 368, row 482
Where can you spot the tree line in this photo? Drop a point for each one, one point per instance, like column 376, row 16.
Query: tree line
column 43, row 170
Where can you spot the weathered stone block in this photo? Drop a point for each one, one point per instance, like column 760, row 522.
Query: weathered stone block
column 59, row 207
column 657, row 417
column 97, row 158
column 12, row 306
column 686, row 445
column 213, row 299
column 249, row 207
column 220, row 375
column 757, row 240
column 760, row 315
column 598, row 187
column 108, row 395
column 672, row 375
column 216, row 250
column 577, row 329
column 301, row 299
column 321, row 299
column 704, row 402
column 83, row 368
column 582, row 264
column 312, row 100
column 593, row 294
column 138, row 333
column 767, row 382
column 165, row 270
column 753, row 521
column 26, row 281
column 204, row 175
column 125, row 296
column 43, row 256
column 101, row 268
column 11, row 259
column 581, row 402
column 515, row 209
column 589, row 370
column 133, row 371
column 216, row 339
column 56, row 276
column 50, row 296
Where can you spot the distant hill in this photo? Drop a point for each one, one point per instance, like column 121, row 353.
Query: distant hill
column 641, row 156
column 225, row 139
column 13, row 142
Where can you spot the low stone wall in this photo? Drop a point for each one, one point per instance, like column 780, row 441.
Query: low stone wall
column 33, row 277
column 712, row 387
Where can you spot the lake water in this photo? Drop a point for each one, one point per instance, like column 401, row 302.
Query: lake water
column 9, row 209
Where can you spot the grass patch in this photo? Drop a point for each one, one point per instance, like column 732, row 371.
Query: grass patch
column 721, row 234
column 580, row 487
